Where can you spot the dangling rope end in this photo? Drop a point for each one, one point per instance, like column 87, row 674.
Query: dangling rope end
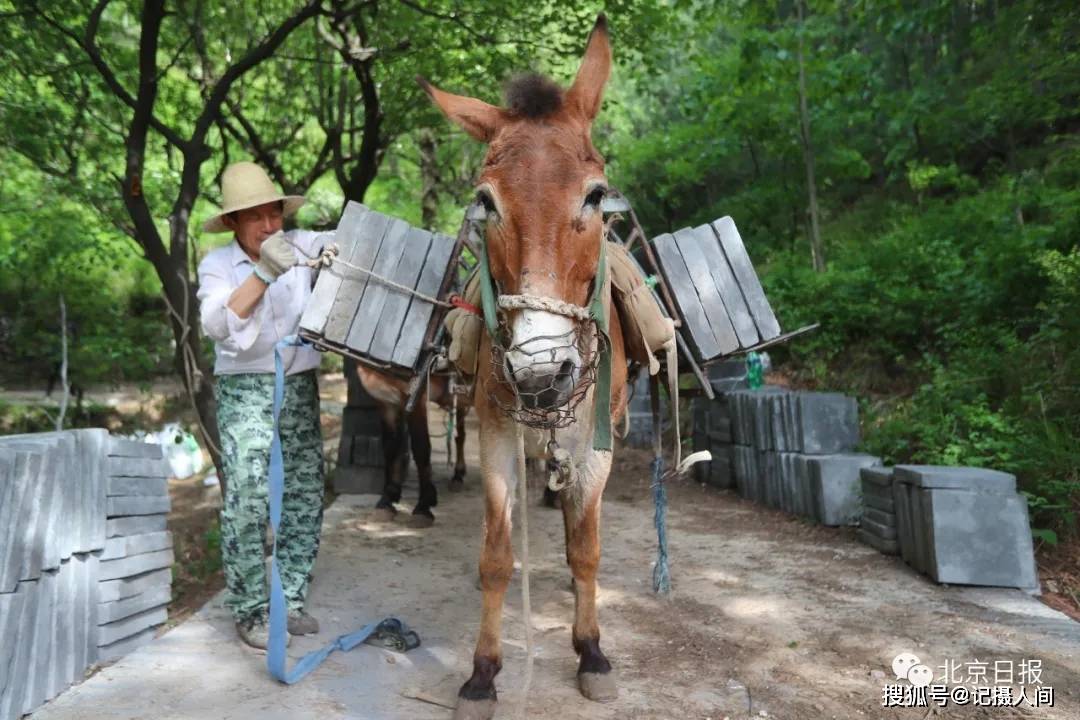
column 691, row 460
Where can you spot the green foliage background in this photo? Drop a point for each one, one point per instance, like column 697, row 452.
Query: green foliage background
column 946, row 136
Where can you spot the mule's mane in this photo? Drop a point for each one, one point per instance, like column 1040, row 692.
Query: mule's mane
column 533, row 96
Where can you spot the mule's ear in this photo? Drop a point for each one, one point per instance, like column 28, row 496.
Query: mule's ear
column 587, row 91
column 476, row 117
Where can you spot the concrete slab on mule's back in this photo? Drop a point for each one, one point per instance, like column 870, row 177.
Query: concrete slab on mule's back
column 372, row 319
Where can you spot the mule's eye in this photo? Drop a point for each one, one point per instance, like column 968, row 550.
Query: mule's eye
column 484, row 198
column 595, row 196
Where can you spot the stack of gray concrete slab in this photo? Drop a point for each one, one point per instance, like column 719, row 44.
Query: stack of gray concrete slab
column 54, row 507
column 712, row 432
column 810, row 423
column 52, row 525
column 639, row 412
column 878, row 527
column 963, row 525
column 792, row 451
column 727, row 375
column 135, row 567
column 711, row 423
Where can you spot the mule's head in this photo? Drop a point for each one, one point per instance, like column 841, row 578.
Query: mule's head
column 541, row 184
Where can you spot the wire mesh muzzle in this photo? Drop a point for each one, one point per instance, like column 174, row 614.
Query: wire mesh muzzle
column 528, row 407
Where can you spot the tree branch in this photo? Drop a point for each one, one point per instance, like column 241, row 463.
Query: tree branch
column 255, row 56
column 175, row 58
column 454, row 18
column 88, row 43
column 263, row 155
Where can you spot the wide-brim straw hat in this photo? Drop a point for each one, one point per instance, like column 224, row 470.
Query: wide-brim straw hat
column 246, row 185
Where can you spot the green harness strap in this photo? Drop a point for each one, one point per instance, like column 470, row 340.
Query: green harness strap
column 487, row 291
column 602, row 400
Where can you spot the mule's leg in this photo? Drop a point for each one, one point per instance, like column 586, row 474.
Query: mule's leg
column 421, row 451
column 458, row 479
column 581, row 515
column 394, row 448
column 499, row 465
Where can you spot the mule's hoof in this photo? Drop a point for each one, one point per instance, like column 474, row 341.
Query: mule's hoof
column 419, row 520
column 474, row 709
column 598, row 687
column 384, row 515
column 456, row 484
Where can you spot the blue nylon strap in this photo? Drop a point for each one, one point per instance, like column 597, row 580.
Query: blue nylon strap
column 275, row 651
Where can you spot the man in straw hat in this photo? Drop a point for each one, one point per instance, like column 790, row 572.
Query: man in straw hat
column 252, row 293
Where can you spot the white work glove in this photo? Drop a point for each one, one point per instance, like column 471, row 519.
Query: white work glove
column 276, row 256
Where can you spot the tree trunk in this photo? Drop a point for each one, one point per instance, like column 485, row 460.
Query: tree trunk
column 65, row 387
column 753, row 157
column 817, row 250
column 429, row 177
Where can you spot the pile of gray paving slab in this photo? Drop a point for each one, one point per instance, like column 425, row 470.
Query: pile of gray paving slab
column 794, row 451
column 85, row 557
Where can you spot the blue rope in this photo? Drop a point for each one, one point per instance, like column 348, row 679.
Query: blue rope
column 661, row 573
column 275, row 654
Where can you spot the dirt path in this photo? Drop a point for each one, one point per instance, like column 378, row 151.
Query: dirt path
column 770, row 617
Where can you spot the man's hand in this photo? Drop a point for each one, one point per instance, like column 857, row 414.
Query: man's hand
column 275, row 257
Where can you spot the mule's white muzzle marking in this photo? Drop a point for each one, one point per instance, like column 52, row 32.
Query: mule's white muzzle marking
column 543, row 360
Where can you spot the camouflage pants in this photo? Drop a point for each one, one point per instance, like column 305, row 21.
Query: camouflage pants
column 246, row 424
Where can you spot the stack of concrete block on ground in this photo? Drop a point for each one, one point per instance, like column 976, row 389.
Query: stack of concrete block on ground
column 793, row 451
column 52, row 525
column 639, row 413
column 959, row 525
column 135, row 570
column 54, row 507
column 711, row 423
column 877, row 528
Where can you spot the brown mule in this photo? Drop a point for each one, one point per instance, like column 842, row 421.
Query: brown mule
column 402, row 432
column 541, row 184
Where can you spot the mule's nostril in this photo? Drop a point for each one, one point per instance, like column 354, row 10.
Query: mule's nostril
column 566, row 369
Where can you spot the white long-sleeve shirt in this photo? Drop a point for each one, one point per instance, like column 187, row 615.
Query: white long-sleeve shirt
column 246, row 345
